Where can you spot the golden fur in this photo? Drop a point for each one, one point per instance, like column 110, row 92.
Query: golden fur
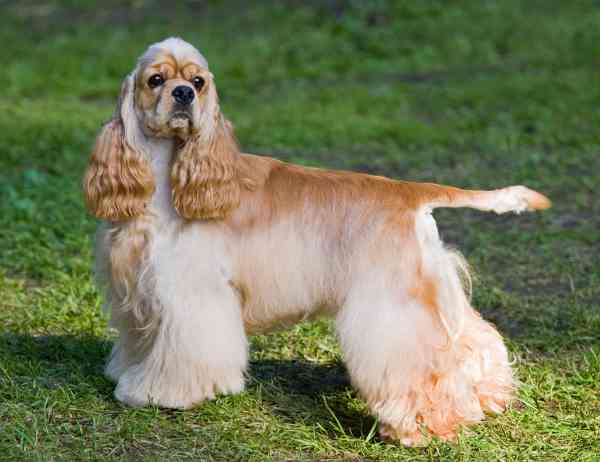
column 118, row 181
column 205, row 179
column 203, row 245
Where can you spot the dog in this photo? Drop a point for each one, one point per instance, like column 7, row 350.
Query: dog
column 200, row 246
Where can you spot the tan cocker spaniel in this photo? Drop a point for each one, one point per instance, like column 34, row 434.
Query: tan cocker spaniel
column 201, row 245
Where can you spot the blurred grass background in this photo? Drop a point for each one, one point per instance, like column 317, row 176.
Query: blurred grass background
column 471, row 93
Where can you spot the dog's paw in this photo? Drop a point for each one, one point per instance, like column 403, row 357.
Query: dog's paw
column 173, row 392
column 391, row 434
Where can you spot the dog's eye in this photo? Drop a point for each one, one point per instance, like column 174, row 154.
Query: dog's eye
column 155, row 81
column 198, row 82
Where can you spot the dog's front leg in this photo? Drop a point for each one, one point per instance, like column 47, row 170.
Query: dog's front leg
column 198, row 347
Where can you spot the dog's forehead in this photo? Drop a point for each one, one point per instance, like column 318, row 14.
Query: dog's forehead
column 178, row 48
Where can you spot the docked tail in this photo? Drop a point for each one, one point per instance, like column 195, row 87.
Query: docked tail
column 510, row 199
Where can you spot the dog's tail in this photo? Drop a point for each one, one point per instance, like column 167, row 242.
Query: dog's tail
column 447, row 266
column 510, row 199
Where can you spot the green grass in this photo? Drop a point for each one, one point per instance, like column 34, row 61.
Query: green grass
column 472, row 93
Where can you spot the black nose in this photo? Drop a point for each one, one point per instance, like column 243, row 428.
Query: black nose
column 183, row 94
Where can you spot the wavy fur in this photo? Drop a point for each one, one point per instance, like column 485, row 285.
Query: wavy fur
column 205, row 177
column 118, row 181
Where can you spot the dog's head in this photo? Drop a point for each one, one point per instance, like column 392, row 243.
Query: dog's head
column 170, row 94
column 175, row 95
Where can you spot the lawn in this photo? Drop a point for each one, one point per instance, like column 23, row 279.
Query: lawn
column 471, row 93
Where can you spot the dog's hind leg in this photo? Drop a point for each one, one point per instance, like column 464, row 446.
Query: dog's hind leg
column 421, row 357
column 413, row 377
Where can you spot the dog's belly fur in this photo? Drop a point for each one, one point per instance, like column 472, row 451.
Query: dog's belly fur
column 317, row 267
column 309, row 281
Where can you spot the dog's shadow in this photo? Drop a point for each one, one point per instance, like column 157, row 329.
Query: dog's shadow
column 318, row 394
column 295, row 390
column 58, row 360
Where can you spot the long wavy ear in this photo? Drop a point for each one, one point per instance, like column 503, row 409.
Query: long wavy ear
column 118, row 181
column 205, row 179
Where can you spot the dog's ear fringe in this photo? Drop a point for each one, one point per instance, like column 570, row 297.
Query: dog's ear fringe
column 118, row 181
column 205, row 177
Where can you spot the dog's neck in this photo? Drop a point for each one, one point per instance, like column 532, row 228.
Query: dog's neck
column 161, row 153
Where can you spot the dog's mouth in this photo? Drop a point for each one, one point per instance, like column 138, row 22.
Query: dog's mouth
column 180, row 120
